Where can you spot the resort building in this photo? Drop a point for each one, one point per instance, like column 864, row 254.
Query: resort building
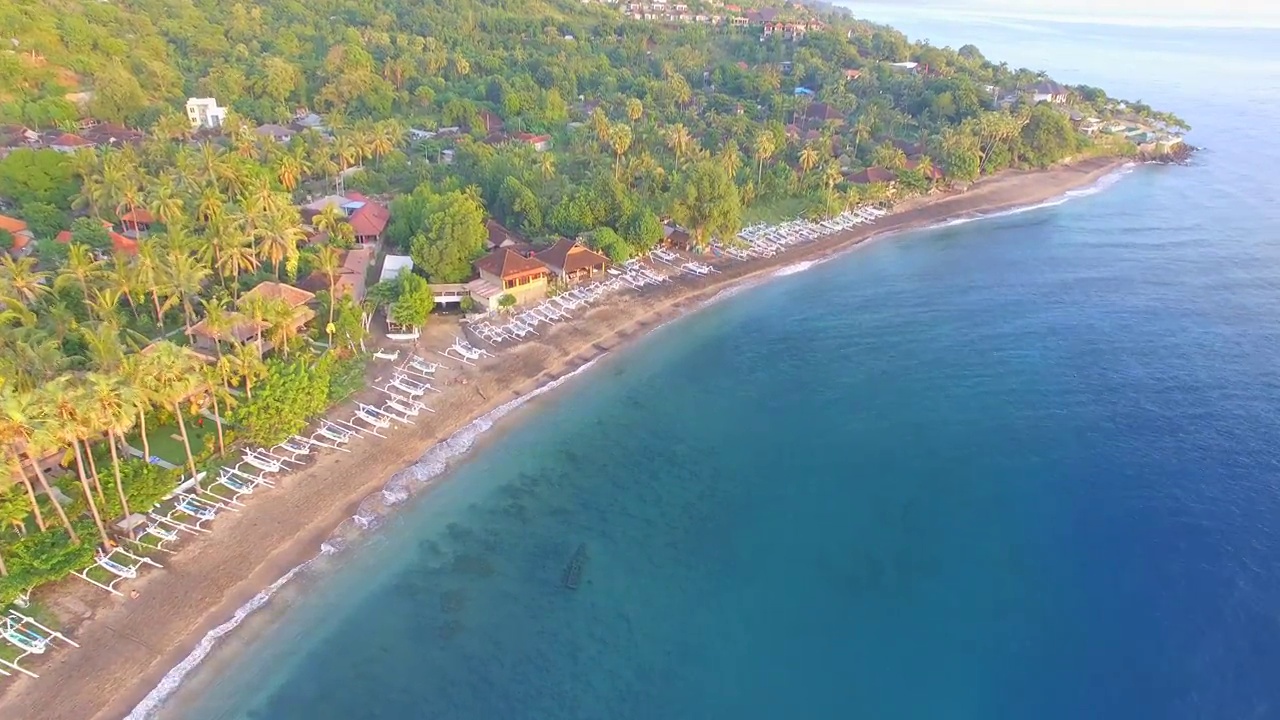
column 571, row 261
column 205, row 113
column 23, row 238
column 368, row 219
column 350, row 279
column 242, row 328
column 136, row 221
column 501, row 237
column 505, row 272
column 873, row 175
column 1047, row 91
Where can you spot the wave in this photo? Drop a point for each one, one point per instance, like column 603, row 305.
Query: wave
column 799, row 267
column 369, row 515
column 1098, row 186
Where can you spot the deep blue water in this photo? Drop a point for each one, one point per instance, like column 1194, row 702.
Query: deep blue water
column 1021, row 467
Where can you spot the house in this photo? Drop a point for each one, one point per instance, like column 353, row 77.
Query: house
column 393, row 266
column 304, row 120
column 907, row 66
column 69, row 143
column 490, row 122
column 540, row 143
column 852, row 74
column 802, row 91
column 503, row 272
column 350, row 279
column 571, row 261
column 242, row 328
column 278, row 133
column 205, row 113
column 119, row 243
column 933, row 173
column 501, row 237
column 1047, row 91
column 137, row 221
column 822, row 112
column 23, row 238
column 368, row 219
column 873, row 175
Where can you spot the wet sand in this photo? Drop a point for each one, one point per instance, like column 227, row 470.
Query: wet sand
column 128, row 644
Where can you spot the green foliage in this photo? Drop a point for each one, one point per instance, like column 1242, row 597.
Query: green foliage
column 87, row 231
column 45, row 220
column 1048, row 137
column 415, row 302
column 37, row 176
column 707, row 203
column 612, row 244
column 292, row 393
column 506, row 300
column 452, row 239
column 641, row 229
column 42, row 557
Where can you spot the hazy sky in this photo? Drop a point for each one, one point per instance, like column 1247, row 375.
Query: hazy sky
column 1211, row 12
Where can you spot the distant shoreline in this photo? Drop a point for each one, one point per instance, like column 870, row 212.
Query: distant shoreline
column 129, row 645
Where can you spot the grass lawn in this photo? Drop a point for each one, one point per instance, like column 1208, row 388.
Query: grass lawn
column 772, row 212
column 166, row 440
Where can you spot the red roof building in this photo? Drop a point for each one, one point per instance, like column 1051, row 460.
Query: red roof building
column 541, row 143
column 571, row 260
column 368, row 219
column 873, row 175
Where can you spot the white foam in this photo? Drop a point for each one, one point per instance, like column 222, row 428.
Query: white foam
column 1098, row 186
column 432, row 463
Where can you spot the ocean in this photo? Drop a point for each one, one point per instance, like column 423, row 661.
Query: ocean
column 1019, row 467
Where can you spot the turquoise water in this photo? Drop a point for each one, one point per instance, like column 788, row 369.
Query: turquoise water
column 1021, row 467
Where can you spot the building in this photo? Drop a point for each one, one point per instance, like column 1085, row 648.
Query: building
column 1047, row 91
column 932, row 172
column 873, row 175
column 350, row 279
column 571, row 261
column 822, row 113
column 23, row 238
column 907, row 66
column 278, row 133
column 540, row 143
column 368, row 219
column 393, row 266
column 501, row 237
column 69, row 143
column 852, row 74
column 121, row 244
column 505, row 272
column 137, row 221
column 242, row 328
column 205, row 113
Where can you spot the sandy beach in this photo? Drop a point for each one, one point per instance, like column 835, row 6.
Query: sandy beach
column 128, row 644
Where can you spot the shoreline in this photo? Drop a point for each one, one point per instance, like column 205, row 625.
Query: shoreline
column 130, row 645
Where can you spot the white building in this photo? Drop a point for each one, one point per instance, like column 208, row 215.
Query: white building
column 205, row 113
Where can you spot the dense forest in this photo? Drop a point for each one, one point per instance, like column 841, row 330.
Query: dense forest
column 556, row 118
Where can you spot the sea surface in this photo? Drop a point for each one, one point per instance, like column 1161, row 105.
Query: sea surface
column 1021, row 467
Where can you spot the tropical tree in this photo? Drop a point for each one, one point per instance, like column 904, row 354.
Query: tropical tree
column 176, row 378
column 329, row 263
column 64, row 407
column 620, row 140
column 679, row 141
column 112, row 405
column 765, row 146
column 24, row 428
column 20, row 279
column 808, row 158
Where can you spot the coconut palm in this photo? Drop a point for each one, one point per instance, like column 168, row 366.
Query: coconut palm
column 620, row 140
column 808, row 158
column 112, row 405
column 215, row 391
column 329, row 263
column 680, row 142
column 278, row 238
column 187, row 277
column 23, row 429
column 291, row 167
column 176, row 377
column 20, row 279
column 165, row 201
column 81, row 269
column 63, row 405
column 246, row 363
column 153, row 272
column 547, row 166
column 765, row 146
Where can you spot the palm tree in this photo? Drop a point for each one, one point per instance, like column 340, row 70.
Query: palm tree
column 808, row 158
column 187, row 276
column 20, row 278
column 22, row 426
column 635, row 110
column 547, row 166
column 212, row 205
column 153, row 272
column 165, row 201
column 80, row 268
column 137, row 372
column 765, row 147
column 278, row 239
column 216, row 391
column 861, row 130
column 329, row 220
column 291, row 167
column 246, row 362
column 63, row 405
column 680, row 141
column 620, row 140
column 346, row 151
column 176, row 370
column 329, row 263
column 112, row 403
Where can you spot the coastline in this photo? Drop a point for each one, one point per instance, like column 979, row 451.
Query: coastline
column 128, row 645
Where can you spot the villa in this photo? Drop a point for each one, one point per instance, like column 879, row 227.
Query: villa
column 572, row 261
column 504, row 272
column 23, row 238
column 368, row 219
column 244, row 329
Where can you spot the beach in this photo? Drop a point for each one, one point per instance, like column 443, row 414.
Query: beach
column 129, row 644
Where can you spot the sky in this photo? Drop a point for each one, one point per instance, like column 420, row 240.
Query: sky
column 1230, row 13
